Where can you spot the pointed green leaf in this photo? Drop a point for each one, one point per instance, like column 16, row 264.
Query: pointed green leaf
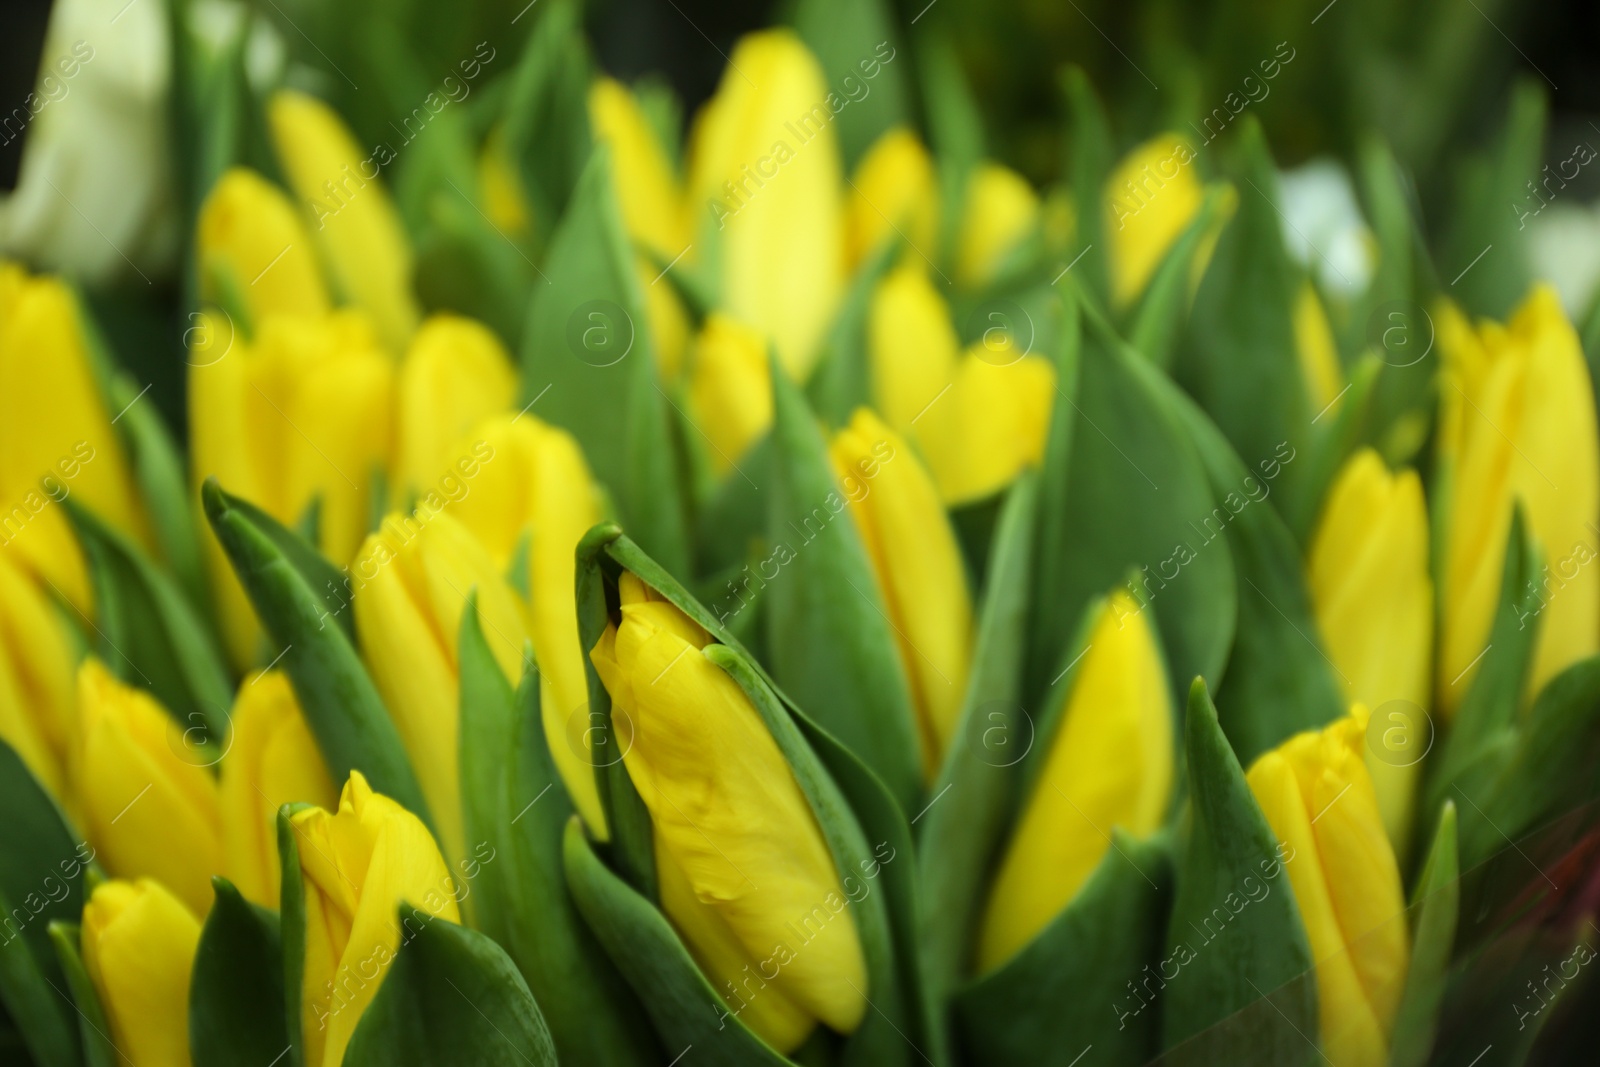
column 94, row 1031
column 833, row 648
column 842, row 380
column 236, row 988
column 341, row 705
column 1089, row 162
column 1157, row 320
column 292, row 934
column 1436, row 902
column 857, row 47
column 1237, row 952
column 452, row 996
column 546, row 113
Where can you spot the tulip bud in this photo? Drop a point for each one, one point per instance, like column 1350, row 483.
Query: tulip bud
column 647, row 188
column 56, row 437
column 1369, row 584
column 1319, row 354
column 301, row 412
column 769, row 118
column 455, row 374
column 358, row 865
column 149, row 803
column 1110, row 763
column 1001, row 209
column 138, row 943
column 272, row 760
column 978, row 417
column 500, row 187
column 352, row 217
column 36, row 678
column 729, row 817
column 730, row 388
column 255, row 255
column 524, row 482
column 894, row 192
column 1318, row 798
column 920, row 573
column 1151, row 198
column 412, row 579
column 1517, row 425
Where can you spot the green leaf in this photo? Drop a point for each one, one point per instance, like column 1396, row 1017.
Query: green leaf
column 546, row 116
column 1435, row 905
column 292, row 932
column 1067, row 990
column 452, row 996
column 341, row 705
column 842, row 380
column 41, row 882
column 330, row 584
column 515, row 805
column 93, row 1029
column 685, row 1011
column 236, row 988
column 850, row 38
column 588, row 345
column 1135, row 499
column 1051, row 619
column 833, row 646
column 977, row 784
column 149, row 633
column 1238, row 954
column 955, row 128
column 1157, row 320
column 1089, row 162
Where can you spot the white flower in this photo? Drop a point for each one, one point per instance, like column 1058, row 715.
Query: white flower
column 1564, row 249
column 1323, row 226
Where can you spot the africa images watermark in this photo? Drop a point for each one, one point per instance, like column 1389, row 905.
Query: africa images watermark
column 51, row 90
column 56, row 489
column 804, row 127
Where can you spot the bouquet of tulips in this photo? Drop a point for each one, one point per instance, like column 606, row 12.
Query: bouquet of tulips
column 552, row 587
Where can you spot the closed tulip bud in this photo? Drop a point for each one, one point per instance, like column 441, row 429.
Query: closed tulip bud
column 1151, row 198
column 149, row 801
column 647, row 187
column 894, row 192
column 272, row 760
column 1317, row 796
column 728, row 817
column 351, row 216
column 455, row 374
column 302, row 412
column 255, row 255
column 36, row 678
column 138, row 943
column 412, row 580
column 769, row 117
column 56, row 437
column 357, row 866
column 730, row 388
column 980, row 417
column 1517, row 426
column 1368, row 576
column 524, row 482
column 1110, row 764
column 920, row 573
column 1001, row 209
column 1319, row 354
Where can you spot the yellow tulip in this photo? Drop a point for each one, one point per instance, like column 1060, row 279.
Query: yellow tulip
column 272, row 760
column 1001, row 209
column 1319, row 355
column 56, row 436
column 411, row 584
column 730, row 388
column 149, row 801
column 920, row 573
column 669, row 319
column 729, row 817
column 355, row 223
column 894, row 193
column 36, row 678
column 1151, row 198
column 647, row 188
column 301, row 412
column 533, row 487
column 1109, row 764
column 500, row 187
column 1368, row 577
column 1517, row 424
column 358, row 866
column 1318, row 798
column 765, row 166
column 978, row 417
column 455, row 374
column 138, row 943
column 255, row 254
